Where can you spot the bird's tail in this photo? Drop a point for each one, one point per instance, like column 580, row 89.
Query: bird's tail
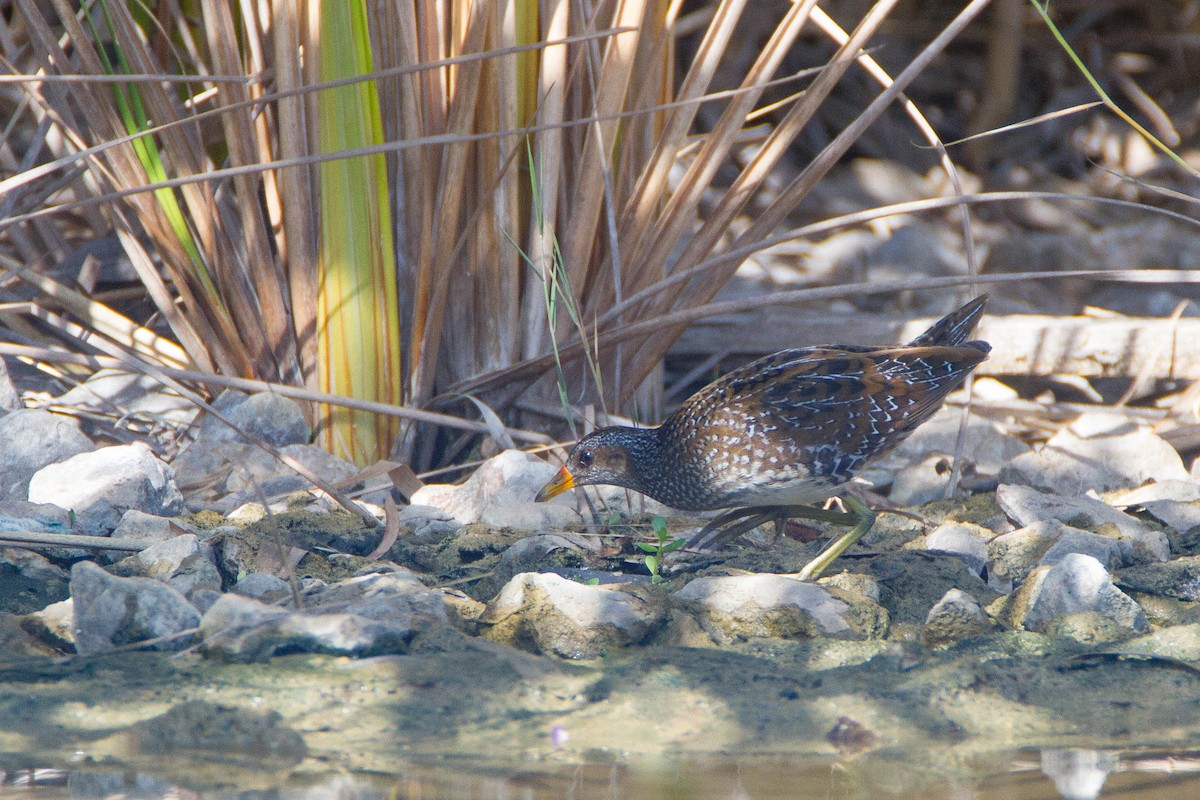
column 954, row 328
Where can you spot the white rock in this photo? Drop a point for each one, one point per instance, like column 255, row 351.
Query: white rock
column 103, row 484
column 1081, row 583
column 500, row 493
column 1025, row 506
column 1069, row 465
column 546, row 613
column 767, row 605
column 965, row 542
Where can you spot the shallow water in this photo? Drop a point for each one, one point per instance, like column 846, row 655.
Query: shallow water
column 1028, row 775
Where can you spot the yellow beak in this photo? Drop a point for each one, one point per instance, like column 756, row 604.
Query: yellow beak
column 558, row 484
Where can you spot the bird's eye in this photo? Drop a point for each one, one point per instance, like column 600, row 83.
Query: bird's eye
column 586, row 458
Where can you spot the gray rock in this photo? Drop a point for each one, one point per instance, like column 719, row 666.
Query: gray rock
column 987, row 446
column 921, row 482
column 263, row 586
column 1081, row 583
column 100, row 486
column 241, row 629
column 111, row 611
column 500, row 494
column 538, row 552
column 428, row 523
column 31, row 439
column 1015, row 554
column 10, row 396
column 183, row 562
column 1025, row 506
column 134, row 395
column 28, row 581
column 955, row 617
column 967, row 542
column 21, row 515
column 1174, row 503
column 546, row 613
column 1179, row 578
column 273, row 418
column 1180, row 642
column 776, row 606
column 1069, row 465
column 138, row 526
column 397, row 596
column 246, row 472
column 257, row 473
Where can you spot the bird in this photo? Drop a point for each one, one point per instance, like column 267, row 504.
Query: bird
column 771, row 437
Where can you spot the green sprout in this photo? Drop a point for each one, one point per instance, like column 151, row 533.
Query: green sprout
column 655, row 551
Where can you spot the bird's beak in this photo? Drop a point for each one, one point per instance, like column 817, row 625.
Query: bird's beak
column 558, row 484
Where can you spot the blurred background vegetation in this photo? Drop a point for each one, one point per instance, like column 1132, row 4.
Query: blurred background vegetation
column 459, row 207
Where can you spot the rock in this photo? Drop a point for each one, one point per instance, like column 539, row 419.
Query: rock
column 28, row 581
column 183, row 562
column 10, row 396
column 986, row 446
column 548, row 614
column 956, row 616
column 428, row 523
column 21, row 515
column 1179, row 579
column 500, row 494
column 263, row 586
column 1180, row 642
column 247, row 472
column 266, row 416
column 1100, row 424
column 18, row 643
column 1014, row 554
column 243, row 630
column 1025, row 506
column 138, row 526
column 257, row 473
column 31, row 439
column 1069, row 465
column 111, row 611
column 101, row 485
column 397, row 597
column 53, row 625
column 544, row 552
column 1089, row 628
column 1174, row 503
column 921, row 482
column 965, row 541
column 222, row 733
column 776, row 606
column 1079, row 583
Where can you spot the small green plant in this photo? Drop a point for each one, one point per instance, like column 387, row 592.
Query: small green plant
column 657, row 549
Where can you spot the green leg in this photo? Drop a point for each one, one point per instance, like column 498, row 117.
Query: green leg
column 865, row 519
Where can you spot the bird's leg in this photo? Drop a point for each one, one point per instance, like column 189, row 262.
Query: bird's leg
column 719, row 531
column 863, row 517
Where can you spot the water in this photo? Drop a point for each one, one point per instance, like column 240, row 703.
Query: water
column 1031, row 775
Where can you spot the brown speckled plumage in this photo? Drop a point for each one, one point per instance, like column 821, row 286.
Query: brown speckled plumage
column 786, row 429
